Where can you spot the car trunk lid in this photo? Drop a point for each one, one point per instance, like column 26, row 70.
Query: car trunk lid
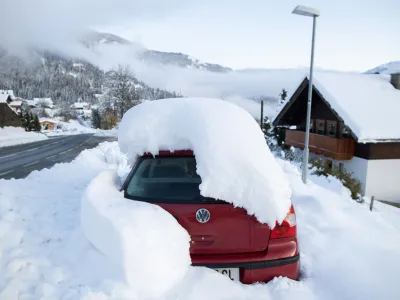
column 228, row 230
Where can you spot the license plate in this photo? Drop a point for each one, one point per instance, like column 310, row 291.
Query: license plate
column 232, row 273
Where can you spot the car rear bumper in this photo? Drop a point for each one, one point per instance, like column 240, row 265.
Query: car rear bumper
column 263, row 271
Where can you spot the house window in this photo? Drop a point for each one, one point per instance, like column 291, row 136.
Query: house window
column 332, row 128
column 321, row 127
column 345, row 132
column 312, row 126
column 341, row 167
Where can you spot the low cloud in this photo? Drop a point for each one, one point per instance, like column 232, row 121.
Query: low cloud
column 57, row 23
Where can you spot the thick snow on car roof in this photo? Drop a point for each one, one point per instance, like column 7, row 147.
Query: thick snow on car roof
column 233, row 159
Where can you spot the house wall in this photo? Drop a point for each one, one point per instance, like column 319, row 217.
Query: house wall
column 378, row 177
column 50, row 126
column 383, row 179
column 359, row 168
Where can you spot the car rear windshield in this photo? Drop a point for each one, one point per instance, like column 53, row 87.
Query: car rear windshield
column 166, row 180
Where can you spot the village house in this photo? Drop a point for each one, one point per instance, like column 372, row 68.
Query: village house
column 8, row 116
column 6, row 96
column 82, row 108
column 48, row 124
column 355, row 126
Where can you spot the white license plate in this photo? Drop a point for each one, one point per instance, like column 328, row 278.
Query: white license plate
column 232, row 273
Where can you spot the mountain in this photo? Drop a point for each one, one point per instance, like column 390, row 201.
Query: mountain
column 94, row 38
column 63, row 79
column 388, row 68
column 181, row 60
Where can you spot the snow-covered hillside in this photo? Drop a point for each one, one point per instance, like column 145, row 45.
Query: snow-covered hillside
column 176, row 59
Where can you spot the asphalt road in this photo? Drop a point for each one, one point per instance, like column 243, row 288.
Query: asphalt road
column 20, row 160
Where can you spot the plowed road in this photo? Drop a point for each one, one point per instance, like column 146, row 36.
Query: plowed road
column 20, row 160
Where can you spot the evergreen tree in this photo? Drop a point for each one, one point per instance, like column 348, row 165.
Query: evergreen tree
column 283, row 95
column 266, row 126
column 96, row 118
column 31, row 122
column 27, row 121
column 36, row 124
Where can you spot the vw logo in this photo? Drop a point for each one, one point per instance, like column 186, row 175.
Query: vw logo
column 203, row 215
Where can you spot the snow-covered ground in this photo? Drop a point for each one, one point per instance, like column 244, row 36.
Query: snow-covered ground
column 347, row 252
column 10, row 136
column 74, row 127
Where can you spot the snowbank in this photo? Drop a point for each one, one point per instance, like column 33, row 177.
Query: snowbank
column 16, row 135
column 69, row 128
column 347, row 252
column 74, row 127
column 149, row 244
column 233, row 159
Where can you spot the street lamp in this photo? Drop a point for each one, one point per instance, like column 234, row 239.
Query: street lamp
column 308, row 12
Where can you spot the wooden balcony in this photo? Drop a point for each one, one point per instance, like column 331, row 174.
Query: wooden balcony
column 338, row 149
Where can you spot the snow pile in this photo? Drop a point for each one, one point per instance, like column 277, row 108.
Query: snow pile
column 149, row 244
column 75, row 127
column 233, row 159
column 16, row 135
column 69, row 128
column 347, row 252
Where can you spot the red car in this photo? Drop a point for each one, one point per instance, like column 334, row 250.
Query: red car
column 223, row 237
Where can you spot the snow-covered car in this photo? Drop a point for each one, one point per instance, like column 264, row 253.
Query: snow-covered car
column 205, row 161
column 223, row 237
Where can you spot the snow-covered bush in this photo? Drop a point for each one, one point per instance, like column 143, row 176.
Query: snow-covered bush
column 353, row 184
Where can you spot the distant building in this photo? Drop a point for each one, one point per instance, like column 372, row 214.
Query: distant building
column 354, row 126
column 16, row 105
column 48, row 124
column 8, row 117
column 6, row 96
column 80, row 106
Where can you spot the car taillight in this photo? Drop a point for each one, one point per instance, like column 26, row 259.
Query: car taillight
column 287, row 228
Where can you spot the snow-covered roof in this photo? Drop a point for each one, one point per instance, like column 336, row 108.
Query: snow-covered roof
column 367, row 103
column 392, row 67
column 4, row 94
column 48, row 120
column 233, row 159
column 30, row 102
column 80, row 105
column 3, row 98
column 16, row 103
column 49, row 101
column 7, row 92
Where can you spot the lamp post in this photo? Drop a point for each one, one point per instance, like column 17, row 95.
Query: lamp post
column 308, row 12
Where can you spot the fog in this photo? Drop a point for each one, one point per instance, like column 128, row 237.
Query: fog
column 58, row 25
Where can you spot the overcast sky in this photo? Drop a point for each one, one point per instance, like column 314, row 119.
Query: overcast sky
column 352, row 35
